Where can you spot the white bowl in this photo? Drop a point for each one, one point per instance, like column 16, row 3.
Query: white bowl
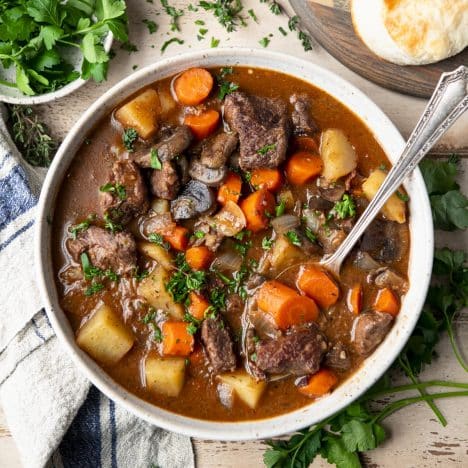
column 419, row 265
column 15, row 96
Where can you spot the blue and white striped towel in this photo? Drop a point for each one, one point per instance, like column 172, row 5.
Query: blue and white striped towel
column 55, row 416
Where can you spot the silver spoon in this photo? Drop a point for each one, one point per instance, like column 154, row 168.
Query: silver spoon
column 447, row 104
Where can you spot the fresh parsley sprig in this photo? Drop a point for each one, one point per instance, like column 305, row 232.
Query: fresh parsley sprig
column 37, row 36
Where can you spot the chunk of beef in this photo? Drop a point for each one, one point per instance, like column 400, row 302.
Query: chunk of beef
column 105, row 250
column 298, row 352
column 167, row 148
column 262, row 125
column 338, row 358
column 165, row 182
column 135, row 199
column 218, row 345
column 218, row 149
column 303, row 123
column 386, row 278
column 382, row 241
column 234, row 305
column 332, row 193
column 319, row 204
column 369, row 330
column 250, row 351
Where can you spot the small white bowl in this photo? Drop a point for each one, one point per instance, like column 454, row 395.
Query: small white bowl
column 15, row 96
column 420, row 262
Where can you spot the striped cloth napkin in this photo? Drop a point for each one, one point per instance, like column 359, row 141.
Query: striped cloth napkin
column 55, row 415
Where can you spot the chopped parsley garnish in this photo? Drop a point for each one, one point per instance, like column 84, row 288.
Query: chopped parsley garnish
column 402, row 196
column 173, row 13
column 169, row 42
column 91, row 272
column 198, row 234
column 293, row 22
column 305, row 40
column 158, row 239
column 157, row 333
column 184, row 280
column 345, row 208
column 267, row 243
column 154, row 160
column 80, row 227
column 235, row 284
column 293, row 238
column 149, row 317
column 243, row 243
column 129, row 47
column 310, row 235
column 200, row 23
column 282, row 31
column 151, row 25
column 279, row 209
column 225, row 88
column 253, row 15
column 264, row 41
column 247, row 176
column 383, row 167
column 214, row 42
column 226, row 71
column 227, row 12
column 253, row 357
column 217, row 299
column 111, row 225
column 193, row 323
column 129, row 136
column 117, row 189
column 93, row 289
column 266, row 149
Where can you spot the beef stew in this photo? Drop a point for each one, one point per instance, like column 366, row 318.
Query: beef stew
column 187, row 234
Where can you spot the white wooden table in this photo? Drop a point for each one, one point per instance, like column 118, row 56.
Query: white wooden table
column 417, row 440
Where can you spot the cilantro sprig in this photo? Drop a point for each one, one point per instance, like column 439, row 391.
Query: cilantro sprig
column 37, row 36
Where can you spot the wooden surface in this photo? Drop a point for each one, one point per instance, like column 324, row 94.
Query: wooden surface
column 416, row 440
column 333, row 29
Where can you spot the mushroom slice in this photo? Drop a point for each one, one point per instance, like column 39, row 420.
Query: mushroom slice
column 196, row 198
column 230, row 220
column 207, row 175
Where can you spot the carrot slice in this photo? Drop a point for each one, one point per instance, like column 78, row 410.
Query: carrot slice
column 202, row 124
column 231, row 188
column 178, row 238
column 177, row 341
column 319, row 286
column 285, row 305
column 198, row 305
column 257, row 207
column 270, row 179
column 198, row 258
column 193, row 86
column 354, row 299
column 303, row 166
column 319, row 384
column 386, row 301
column 305, row 143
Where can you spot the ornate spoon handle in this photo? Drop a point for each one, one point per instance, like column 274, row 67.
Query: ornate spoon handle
column 448, row 102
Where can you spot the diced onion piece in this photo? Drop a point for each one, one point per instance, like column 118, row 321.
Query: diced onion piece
column 312, row 219
column 365, row 262
column 395, row 208
column 339, row 157
column 228, row 261
column 285, row 223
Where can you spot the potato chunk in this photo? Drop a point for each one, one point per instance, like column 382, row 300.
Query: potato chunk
column 153, row 289
column 339, row 157
column 141, row 113
column 395, row 208
column 104, row 337
column 284, row 254
column 156, row 252
column 165, row 375
column 245, row 387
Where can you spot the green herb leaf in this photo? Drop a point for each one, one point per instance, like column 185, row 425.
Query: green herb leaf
column 155, row 162
column 345, row 208
column 169, row 42
column 267, row 243
column 266, row 149
column 293, row 238
column 151, row 25
column 117, row 189
column 227, row 12
column 264, row 41
column 158, row 239
column 173, row 13
column 280, row 208
column 129, row 136
column 225, row 88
